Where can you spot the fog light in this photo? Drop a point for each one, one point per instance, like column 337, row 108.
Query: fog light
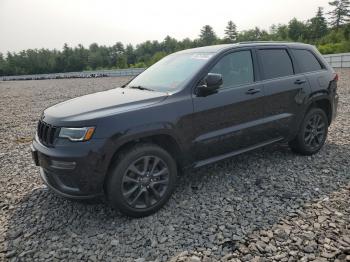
column 62, row 164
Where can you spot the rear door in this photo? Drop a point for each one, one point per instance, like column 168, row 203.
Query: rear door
column 284, row 89
column 228, row 120
column 311, row 67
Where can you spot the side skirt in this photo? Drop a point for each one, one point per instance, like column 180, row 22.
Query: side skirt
column 234, row 153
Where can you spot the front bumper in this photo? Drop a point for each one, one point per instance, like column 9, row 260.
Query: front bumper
column 73, row 170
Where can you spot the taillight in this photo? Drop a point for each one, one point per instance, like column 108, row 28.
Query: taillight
column 336, row 78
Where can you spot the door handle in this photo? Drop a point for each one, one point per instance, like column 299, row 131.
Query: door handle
column 252, row 91
column 299, row 82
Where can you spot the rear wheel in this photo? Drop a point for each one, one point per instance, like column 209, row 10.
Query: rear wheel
column 142, row 180
column 312, row 134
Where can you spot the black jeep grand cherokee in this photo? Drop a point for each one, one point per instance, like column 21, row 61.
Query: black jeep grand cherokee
column 192, row 108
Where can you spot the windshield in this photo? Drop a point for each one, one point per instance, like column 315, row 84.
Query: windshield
column 170, row 73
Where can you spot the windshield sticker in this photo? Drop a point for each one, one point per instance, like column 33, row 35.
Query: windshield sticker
column 201, row 56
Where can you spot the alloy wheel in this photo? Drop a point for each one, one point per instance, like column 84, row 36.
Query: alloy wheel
column 315, row 131
column 145, row 182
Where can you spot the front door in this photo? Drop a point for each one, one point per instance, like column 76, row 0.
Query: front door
column 229, row 119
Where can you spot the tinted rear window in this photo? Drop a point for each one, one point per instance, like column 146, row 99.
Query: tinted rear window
column 275, row 63
column 307, row 60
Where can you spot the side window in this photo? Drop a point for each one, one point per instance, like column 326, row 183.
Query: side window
column 275, row 63
column 307, row 60
column 236, row 69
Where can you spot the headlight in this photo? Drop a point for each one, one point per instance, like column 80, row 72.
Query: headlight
column 77, row 133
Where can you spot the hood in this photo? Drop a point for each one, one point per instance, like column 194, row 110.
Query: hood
column 101, row 104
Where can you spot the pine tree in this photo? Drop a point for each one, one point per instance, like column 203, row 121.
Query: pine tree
column 341, row 13
column 347, row 32
column 2, row 65
column 231, row 32
column 318, row 25
column 296, row 30
column 130, row 55
column 207, row 36
column 169, row 45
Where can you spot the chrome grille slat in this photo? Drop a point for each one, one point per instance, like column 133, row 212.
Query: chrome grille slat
column 46, row 133
column 47, row 138
column 41, row 129
column 51, row 135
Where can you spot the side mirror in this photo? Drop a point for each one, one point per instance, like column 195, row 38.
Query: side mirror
column 209, row 85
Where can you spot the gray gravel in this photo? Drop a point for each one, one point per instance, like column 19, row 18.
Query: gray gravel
column 265, row 205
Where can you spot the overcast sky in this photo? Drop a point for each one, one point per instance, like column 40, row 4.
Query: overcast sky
column 51, row 23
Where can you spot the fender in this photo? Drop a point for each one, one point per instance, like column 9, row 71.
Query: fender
column 311, row 99
column 148, row 130
column 119, row 140
column 317, row 96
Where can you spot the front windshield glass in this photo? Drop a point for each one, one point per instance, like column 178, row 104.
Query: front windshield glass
column 170, row 73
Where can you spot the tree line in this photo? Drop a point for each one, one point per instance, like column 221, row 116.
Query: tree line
column 329, row 32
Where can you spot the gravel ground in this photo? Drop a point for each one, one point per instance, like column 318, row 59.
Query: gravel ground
column 265, row 205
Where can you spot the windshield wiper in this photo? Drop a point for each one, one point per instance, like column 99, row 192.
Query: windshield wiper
column 141, row 88
column 126, row 84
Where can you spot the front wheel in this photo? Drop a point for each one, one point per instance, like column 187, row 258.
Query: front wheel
column 312, row 134
column 142, row 180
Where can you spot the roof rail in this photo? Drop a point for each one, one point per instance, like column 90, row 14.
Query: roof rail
column 262, row 42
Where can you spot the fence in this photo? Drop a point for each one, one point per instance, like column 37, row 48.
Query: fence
column 84, row 74
column 338, row 60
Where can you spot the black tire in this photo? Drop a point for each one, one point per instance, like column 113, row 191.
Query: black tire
column 151, row 185
column 312, row 134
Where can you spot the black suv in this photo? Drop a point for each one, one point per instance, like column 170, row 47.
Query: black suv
column 190, row 109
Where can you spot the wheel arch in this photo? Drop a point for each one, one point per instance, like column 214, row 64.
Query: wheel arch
column 164, row 140
column 323, row 102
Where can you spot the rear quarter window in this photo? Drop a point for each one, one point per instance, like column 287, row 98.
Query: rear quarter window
column 275, row 63
column 307, row 60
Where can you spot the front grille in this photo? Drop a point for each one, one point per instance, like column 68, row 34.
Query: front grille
column 46, row 133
